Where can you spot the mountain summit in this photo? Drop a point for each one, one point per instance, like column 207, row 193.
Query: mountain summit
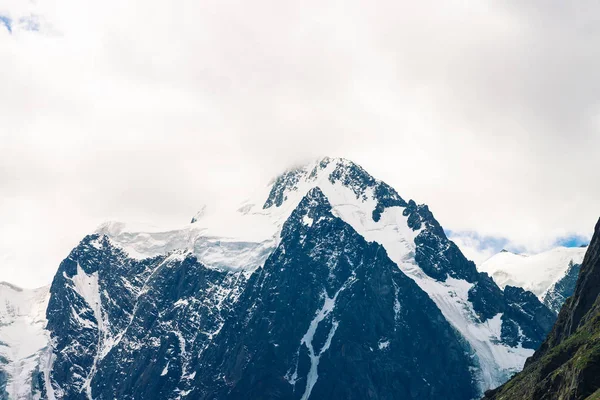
column 327, row 284
column 550, row 275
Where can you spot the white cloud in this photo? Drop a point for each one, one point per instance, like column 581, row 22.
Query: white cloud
column 138, row 110
column 477, row 248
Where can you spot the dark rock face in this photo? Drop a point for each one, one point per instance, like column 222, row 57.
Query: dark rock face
column 567, row 365
column 525, row 309
column 558, row 294
column 38, row 390
column 387, row 197
column 525, row 320
column 74, row 325
column 153, row 310
column 3, row 381
column 333, row 319
column 437, row 256
column 487, row 298
column 182, row 307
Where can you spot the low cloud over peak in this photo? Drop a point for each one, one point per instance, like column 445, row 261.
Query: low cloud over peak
column 133, row 111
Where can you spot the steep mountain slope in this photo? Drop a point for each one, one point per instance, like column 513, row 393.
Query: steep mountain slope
column 549, row 275
column 561, row 290
column 22, row 339
column 327, row 270
column 331, row 316
column 125, row 315
column 567, row 365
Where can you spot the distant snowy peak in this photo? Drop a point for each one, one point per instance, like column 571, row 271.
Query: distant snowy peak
column 536, row 273
column 22, row 338
column 333, row 171
column 16, row 302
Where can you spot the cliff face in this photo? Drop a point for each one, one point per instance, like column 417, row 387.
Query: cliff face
column 560, row 291
column 567, row 365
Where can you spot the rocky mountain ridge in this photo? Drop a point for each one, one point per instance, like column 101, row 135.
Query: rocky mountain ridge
column 327, row 270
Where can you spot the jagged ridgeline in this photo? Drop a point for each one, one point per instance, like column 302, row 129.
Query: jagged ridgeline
column 567, row 365
column 328, row 284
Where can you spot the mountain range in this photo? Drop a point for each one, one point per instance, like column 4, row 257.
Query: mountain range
column 326, row 284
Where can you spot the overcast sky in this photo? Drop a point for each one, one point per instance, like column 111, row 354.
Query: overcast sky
column 488, row 111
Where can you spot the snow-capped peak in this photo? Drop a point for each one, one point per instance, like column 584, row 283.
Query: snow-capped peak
column 22, row 335
column 536, row 273
column 244, row 237
column 335, row 170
